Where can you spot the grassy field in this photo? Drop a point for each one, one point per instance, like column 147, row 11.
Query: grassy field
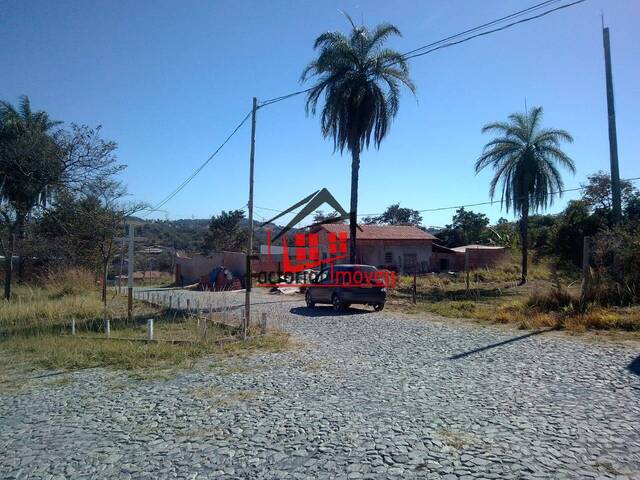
column 35, row 333
column 494, row 296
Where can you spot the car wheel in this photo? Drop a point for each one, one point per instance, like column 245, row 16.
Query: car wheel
column 308, row 300
column 336, row 301
column 378, row 306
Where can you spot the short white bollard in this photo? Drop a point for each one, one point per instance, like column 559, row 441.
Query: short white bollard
column 73, row 326
column 107, row 327
column 150, row 329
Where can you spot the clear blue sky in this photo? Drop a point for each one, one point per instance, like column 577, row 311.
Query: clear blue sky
column 169, row 80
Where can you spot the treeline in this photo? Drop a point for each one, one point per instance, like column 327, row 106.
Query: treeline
column 61, row 204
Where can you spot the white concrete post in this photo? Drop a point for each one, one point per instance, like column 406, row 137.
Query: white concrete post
column 150, row 329
column 107, row 327
column 73, row 326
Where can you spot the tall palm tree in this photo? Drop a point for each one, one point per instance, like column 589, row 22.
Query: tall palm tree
column 29, row 165
column 525, row 158
column 361, row 82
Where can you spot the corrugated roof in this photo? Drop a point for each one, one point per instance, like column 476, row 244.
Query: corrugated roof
column 382, row 232
column 477, row 247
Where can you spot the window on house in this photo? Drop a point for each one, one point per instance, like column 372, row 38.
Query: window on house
column 388, row 258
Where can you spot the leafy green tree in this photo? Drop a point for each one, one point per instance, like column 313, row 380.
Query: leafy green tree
column 597, row 191
column 319, row 216
column 467, row 227
column 226, row 232
column 574, row 223
column 396, row 215
column 361, row 83
column 525, row 158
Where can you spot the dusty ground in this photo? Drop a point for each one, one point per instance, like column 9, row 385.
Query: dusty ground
column 362, row 395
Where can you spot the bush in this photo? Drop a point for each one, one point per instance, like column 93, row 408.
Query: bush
column 616, row 267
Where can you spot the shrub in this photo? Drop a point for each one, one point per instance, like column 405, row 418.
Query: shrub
column 616, row 267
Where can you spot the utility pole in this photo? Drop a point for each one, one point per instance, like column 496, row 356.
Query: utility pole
column 613, row 137
column 247, row 298
column 131, row 239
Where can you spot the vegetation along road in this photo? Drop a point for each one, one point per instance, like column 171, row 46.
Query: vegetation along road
column 375, row 395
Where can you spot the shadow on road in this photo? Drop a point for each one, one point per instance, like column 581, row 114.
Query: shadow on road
column 326, row 312
column 499, row 344
column 634, row 367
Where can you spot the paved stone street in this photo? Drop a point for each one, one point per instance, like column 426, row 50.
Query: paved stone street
column 361, row 395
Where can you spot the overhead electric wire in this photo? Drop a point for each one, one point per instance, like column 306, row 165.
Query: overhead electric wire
column 439, row 44
column 199, row 169
column 454, row 207
column 417, row 52
column 504, row 27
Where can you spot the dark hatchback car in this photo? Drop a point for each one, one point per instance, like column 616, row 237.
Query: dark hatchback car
column 343, row 285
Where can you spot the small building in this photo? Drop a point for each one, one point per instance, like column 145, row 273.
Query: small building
column 402, row 248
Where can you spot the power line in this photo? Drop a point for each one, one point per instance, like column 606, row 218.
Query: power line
column 437, row 45
column 199, row 169
column 504, row 27
column 417, row 52
column 455, row 207
column 484, row 25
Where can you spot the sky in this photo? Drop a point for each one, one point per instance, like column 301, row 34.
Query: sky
column 169, row 80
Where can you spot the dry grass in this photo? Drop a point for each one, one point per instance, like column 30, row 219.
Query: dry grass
column 35, row 329
column 495, row 297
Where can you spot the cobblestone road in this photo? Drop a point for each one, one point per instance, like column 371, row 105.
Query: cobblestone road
column 362, row 395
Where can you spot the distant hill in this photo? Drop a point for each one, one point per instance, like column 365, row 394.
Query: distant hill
column 188, row 234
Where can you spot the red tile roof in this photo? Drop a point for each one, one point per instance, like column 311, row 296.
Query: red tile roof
column 381, row 232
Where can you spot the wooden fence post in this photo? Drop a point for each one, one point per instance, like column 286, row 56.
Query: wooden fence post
column 586, row 274
column 415, row 274
column 263, row 323
column 170, row 301
column 150, row 329
column 188, row 305
column 466, row 266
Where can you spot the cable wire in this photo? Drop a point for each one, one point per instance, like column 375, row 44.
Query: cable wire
column 199, row 169
column 455, row 207
column 437, row 45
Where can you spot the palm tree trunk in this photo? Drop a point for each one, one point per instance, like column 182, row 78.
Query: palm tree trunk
column 524, row 239
column 353, row 213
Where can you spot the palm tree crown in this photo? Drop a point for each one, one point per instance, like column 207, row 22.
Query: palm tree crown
column 29, row 161
column 361, row 82
column 525, row 158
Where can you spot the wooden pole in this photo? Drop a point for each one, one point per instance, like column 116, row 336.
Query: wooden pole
column 616, row 201
column 263, row 323
column 466, row 265
column 586, row 255
column 130, row 276
column 415, row 274
column 247, row 299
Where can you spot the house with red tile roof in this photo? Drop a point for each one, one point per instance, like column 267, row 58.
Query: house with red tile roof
column 403, row 248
